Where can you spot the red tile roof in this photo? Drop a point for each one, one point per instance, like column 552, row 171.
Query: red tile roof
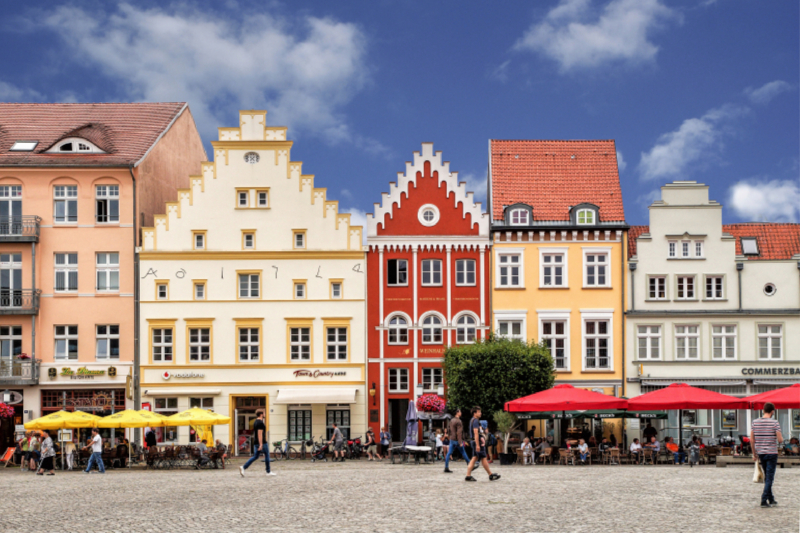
column 125, row 131
column 552, row 176
column 775, row 240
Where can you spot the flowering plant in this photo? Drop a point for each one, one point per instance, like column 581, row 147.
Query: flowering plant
column 6, row 411
column 23, row 356
column 430, row 403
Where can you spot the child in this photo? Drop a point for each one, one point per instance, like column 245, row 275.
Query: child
column 439, row 444
column 527, row 452
column 694, row 452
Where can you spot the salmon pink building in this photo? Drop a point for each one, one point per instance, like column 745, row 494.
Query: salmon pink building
column 428, row 285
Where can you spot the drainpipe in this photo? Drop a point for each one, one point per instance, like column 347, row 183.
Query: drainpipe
column 33, row 296
column 739, row 268
column 137, row 398
column 632, row 268
column 623, row 253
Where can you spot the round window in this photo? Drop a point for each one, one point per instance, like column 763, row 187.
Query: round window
column 428, row 215
column 251, row 157
column 769, row 289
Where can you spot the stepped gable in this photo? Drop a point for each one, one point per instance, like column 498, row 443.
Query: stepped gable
column 427, row 180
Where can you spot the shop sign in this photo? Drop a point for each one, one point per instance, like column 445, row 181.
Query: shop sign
column 11, row 397
column 99, row 402
column 81, row 373
column 318, row 373
column 785, row 371
column 168, row 375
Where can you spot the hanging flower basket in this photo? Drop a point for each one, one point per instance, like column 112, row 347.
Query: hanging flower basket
column 6, row 411
column 430, row 403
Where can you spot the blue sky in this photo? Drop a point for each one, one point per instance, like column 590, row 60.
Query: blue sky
column 703, row 90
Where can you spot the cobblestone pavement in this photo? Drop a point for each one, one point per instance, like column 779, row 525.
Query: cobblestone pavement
column 380, row 497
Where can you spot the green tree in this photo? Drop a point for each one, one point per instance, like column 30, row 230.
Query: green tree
column 494, row 371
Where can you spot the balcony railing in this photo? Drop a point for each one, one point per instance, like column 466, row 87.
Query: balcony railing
column 19, row 372
column 19, row 301
column 19, row 228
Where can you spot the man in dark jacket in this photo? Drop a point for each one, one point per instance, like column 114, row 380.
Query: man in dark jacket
column 150, row 438
column 456, row 440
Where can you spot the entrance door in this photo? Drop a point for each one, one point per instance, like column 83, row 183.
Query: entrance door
column 397, row 419
column 244, row 432
column 10, row 279
column 11, row 210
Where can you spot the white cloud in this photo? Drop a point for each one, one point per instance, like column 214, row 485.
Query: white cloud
column 302, row 70
column 12, row 93
column 766, row 201
column 576, row 35
column 768, row 91
column 358, row 218
column 621, row 164
column 644, row 201
column 346, row 194
column 696, row 141
column 500, row 73
column 476, row 185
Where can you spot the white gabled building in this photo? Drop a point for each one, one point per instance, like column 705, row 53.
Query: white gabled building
column 712, row 305
column 253, row 296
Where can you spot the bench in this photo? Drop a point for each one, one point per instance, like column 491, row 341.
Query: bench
column 783, row 461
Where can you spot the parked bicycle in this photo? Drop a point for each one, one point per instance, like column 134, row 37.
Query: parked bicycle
column 283, row 450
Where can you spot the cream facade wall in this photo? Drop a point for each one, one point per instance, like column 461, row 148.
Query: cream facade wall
column 223, row 206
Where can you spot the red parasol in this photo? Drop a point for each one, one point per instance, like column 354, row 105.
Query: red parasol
column 785, row 398
column 683, row 396
column 565, row 398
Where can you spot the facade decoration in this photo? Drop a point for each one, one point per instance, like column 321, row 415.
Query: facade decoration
column 253, row 287
column 429, row 275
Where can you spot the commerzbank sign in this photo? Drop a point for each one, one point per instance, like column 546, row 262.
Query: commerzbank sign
column 782, row 371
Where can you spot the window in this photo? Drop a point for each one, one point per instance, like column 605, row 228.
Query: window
column 107, row 203
column 162, row 345
column 687, row 341
column 249, row 285
column 108, row 272
column 299, row 291
column 465, row 272
column 657, row 288
column 300, row 344
column 432, row 330
column 23, row 146
column 649, row 340
column 769, row 341
column 65, row 203
column 749, row 246
column 251, row 158
column 596, row 266
column 337, row 344
column 10, row 341
column 428, row 215
column 466, row 329
column 431, row 272
column 770, row 289
column 723, row 339
column 75, row 144
column 11, row 280
column 336, row 290
column 554, row 336
column 698, row 248
column 553, row 270
column 597, row 336
column 586, row 217
column 685, row 248
column 714, row 287
column 519, row 217
column 299, row 240
column 299, row 425
column 66, row 273
column 66, row 342
column 431, row 378
column 199, row 241
column 199, row 344
column 673, row 245
column 248, row 344
column 398, row 380
column 510, row 267
column 107, row 342
column 340, row 417
column 243, row 198
column 511, row 329
column 397, row 272
column 199, row 291
column 263, row 198
column 398, row 330
column 686, row 288
column 162, row 291
column 166, row 407
column 248, row 241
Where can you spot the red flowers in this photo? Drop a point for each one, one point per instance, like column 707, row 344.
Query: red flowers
column 430, row 403
column 6, row 411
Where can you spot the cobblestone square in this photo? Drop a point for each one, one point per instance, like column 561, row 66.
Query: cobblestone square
column 380, row 497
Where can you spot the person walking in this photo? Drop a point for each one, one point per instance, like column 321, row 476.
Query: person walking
column 765, row 434
column 338, row 444
column 369, row 444
column 456, row 441
column 97, row 452
column 48, row 455
column 26, row 454
column 479, row 445
column 33, row 448
column 260, row 431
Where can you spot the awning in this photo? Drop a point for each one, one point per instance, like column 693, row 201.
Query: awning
column 696, row 382
column 180, row 392
column 316, row 395
column 781, row 382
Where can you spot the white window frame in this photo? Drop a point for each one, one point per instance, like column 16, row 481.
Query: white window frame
column 105, row 270
column 243, row 199
column 66, row 194
column 709, row 278
column 199, row 241
column 160, row 286
column 399, row 270
column 64, row 339
column 201, row 293
column 726, row 338
column 699, row 249
column 11, row 341
column 303, row 347
column 394, row 329
column 649, row 335
column 160, row 348
column 462, row 338
column 199, row 344
column 512, row 316
column 769, row 336
column 265, row 195
column 557, row 316
column 609, row 335
column 522, row 215
column 249, row 241
column 510, row 252
column 463, row 271
column 429, row 268
column 65, row 269
column 684, row 286
column 248, row 290
column 106, row 337
column 336, row 290
column 591, row 250
column 686, row 249
column 688, row 336
column 340, row 346
column 673, row 249
column 299, row 240
column 436, row 329
column 586, row 222
column 107, row 194
column 664, row 289
column 564, row 253
column 250, row 333
column 398, row 376
column 300, row 291
column 432, row 378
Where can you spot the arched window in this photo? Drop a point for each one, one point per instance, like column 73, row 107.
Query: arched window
column 398, row 330
column 76, row 145
column 465, row 329
column 432, row 330
column 519, row 217
column 586, row 217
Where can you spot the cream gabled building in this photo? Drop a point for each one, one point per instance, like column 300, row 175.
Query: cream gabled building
column 253, row 296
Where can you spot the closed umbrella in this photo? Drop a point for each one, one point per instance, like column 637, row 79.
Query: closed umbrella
column 785, row 398
column 412, row 421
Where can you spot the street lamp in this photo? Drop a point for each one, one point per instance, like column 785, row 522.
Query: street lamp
column 372, row 393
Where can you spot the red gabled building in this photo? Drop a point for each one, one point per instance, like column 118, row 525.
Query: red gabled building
column 428, row 284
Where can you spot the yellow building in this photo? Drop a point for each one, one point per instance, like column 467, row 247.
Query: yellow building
column 559, row 238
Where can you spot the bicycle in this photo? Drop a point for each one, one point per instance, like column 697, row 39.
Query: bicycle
column 283, row 450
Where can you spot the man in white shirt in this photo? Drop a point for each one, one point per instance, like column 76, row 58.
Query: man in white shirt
column 97, row 452
column 636, row 451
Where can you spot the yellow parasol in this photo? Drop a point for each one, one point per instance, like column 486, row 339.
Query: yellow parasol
column 63, row 420
column 196, row 417
column 130, row 418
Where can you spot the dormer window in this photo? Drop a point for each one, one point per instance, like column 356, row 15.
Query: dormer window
column 586, row 217
column 520, row 217
column 76, row 145
column 749, row 246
